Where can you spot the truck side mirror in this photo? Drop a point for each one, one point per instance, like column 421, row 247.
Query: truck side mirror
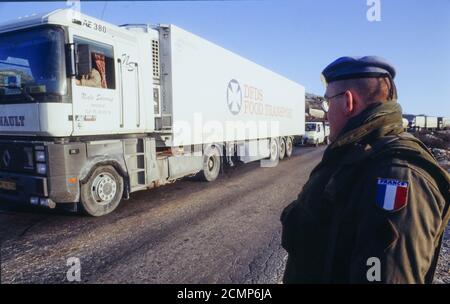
column 84, row 60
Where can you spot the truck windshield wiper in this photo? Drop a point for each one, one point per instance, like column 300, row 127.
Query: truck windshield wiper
column 22, row 90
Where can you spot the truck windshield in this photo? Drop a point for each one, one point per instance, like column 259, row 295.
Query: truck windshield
column 310, row 127
column 32, row 67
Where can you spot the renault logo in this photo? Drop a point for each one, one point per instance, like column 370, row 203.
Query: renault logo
column 6, row 158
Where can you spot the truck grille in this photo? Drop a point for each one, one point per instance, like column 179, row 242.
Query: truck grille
column 16, row 157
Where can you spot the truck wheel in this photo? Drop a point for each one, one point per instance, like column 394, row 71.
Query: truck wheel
column 211, row 164
column 289, row 146
column 102, row 192
column 282, row 148
column 273, row 146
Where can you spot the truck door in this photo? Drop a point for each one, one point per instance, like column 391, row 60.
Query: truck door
column 94, row 90
column 129, row 86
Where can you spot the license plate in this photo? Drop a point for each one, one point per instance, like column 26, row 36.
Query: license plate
column 7, row 185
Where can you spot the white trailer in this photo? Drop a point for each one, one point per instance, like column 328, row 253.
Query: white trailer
column 431, row 122
column 90, row 111
column 419, row 123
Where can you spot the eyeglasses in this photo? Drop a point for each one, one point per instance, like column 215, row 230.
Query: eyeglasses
column 328, row 98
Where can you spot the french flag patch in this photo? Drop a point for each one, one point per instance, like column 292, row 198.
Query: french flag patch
column 391, row 194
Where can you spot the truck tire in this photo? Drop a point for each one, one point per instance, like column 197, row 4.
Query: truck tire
column 282, row 148
column 102, row 192
column 274, row 149
column 289, row 146
column 211, row 164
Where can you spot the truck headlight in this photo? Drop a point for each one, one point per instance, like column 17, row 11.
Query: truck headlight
column 41, row 168
column 34, row 200
column 40, row 156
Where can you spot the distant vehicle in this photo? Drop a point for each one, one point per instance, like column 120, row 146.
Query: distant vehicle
column 425, row 122
column 445, row 123
column 431, row 122
column 316, row 133
column 418, row 123
column 405, row 123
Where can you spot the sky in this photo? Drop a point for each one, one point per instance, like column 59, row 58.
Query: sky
column 299, row 38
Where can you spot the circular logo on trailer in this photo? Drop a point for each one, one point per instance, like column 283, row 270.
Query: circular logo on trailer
column 234, row 97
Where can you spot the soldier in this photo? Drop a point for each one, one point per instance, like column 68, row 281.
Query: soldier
column 375, row 208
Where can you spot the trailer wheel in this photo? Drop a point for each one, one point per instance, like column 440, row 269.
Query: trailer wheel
column 282, row 148
column 102, row 192
column 211, row 164
column 289, row 146
column 274, row 149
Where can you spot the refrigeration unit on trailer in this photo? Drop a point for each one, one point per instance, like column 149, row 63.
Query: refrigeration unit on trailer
column 90, row 111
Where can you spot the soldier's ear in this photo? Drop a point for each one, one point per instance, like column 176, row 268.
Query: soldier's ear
column 349, row 103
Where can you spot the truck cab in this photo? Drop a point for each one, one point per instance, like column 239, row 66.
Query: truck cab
column 58, row 76
column 74, row 96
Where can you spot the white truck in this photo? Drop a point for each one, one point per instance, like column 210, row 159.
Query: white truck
column 445, row 123
column 431, row 122
column 419, row 123
column 405, row 124
column 423, row 122
column 316, row 133
column 90, row 111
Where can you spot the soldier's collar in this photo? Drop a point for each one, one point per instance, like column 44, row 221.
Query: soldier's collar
column 382, row 117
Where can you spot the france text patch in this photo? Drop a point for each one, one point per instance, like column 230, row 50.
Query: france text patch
column 391, row 194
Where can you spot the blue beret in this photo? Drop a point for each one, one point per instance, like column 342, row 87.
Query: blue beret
column 357, row 67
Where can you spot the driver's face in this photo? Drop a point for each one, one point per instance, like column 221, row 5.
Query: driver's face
column 99, row 57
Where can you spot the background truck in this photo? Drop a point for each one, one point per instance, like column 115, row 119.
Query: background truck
column 91, row 112
column 316, row 133
column 405, row 124
column 445, row 125
column 418, row 123
column 431, row 122
column 425, row 122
